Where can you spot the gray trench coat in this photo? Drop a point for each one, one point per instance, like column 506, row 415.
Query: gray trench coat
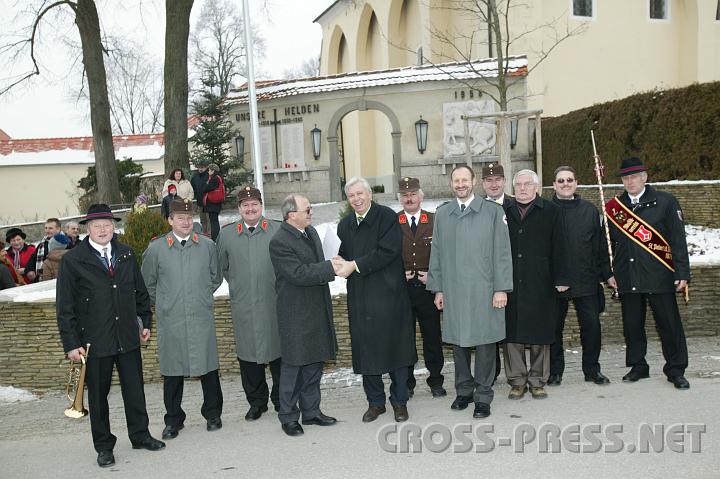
column 470, row 261
column 245, row 264
column 181, row 281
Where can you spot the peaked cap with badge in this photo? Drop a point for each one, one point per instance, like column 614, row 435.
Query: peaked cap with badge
column 492, row 169
column 249, row 192
column 408, row 185
column 181, row 206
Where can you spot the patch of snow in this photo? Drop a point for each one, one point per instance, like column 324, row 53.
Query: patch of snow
column 69, row 156
column 703, row 244
column 10, row 394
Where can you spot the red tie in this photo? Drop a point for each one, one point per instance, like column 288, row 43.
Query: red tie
column 108, row 264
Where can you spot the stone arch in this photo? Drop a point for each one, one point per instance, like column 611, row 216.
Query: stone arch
column 404, row 32
column 369, row 51
column 332, row 139
column 338, row 54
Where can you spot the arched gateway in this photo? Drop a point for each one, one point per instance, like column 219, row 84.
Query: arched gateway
column 305, row 123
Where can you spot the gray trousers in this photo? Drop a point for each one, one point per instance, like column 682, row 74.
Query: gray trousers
column 516, row 367
column 299, row 384
column 479, row 386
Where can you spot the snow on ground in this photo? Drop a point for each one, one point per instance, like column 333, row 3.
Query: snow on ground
column 10, row 394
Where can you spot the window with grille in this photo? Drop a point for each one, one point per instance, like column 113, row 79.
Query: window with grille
column 659, row 9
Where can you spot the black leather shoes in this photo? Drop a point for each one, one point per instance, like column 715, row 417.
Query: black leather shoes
column 460, row 403
column 555, row 380
column 320, row 420
column 482, row 410
column 401, row 413
column 411, row 393
column 214, row 424
column 438, row 392
column 293, row 428
column 679, row 382
column 276, row 407
column 255, row 412
column 372, row 413
column 636, row 374
column 105, row 459
column 597, row 378
column 149, row 443
column 171, row 432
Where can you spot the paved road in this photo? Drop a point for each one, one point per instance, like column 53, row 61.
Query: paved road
column 37, row 441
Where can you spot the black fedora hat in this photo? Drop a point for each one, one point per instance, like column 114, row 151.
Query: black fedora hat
column 631, row 165
column 13, row 232
column 99, row 211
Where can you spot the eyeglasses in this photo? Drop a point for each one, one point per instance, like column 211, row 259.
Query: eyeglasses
column 565, row 180
column 307, row 210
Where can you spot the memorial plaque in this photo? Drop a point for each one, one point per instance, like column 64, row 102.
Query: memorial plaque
column 481, row 133
column 266, row 153
column 292, row 145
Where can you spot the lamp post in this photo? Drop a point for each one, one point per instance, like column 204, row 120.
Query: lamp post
column 240, row 146
column 421, row 130
column 315, row 135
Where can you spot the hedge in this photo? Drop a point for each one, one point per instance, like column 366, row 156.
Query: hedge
column 675, row 132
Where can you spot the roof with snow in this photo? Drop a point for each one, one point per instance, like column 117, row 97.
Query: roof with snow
column 517, row 66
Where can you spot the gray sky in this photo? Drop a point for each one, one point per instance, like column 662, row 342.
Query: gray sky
column 45, row 108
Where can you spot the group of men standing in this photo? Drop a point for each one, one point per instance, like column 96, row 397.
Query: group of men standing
column 501, row 270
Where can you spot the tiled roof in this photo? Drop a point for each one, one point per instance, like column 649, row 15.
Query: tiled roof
column 517, row 66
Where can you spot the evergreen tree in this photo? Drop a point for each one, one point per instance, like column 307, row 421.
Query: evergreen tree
column 214, row 134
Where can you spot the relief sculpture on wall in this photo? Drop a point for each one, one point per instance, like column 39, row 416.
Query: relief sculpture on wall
column 481, row 133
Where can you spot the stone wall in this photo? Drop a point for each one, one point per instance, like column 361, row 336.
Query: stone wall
column 700, row 200
column 31, row 354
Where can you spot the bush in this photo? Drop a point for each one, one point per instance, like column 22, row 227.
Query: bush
column 141, row 226
column 674, row 132
column 128, row 178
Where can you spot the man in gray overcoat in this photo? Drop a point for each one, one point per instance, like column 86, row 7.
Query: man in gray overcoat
column 471, row 274
column 305, row 319
column 181, row 272
column 245, row 264
column 382, row 329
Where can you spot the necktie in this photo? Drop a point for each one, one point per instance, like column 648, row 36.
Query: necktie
column 108, row 264
column 183, row 242
column 360, row 218
column 462, row 208
column 305, row 235
column 413, row 225
column 251, row 229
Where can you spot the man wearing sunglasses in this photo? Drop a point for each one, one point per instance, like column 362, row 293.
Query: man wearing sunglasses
column 590, row 265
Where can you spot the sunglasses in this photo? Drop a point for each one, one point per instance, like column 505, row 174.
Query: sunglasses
column 307, row 210
column 565, row 180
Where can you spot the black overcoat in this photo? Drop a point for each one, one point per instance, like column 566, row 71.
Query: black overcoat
column 382, row 330
column 304, row 307
column 96, row 307
column 636, row 270
column 539, row 264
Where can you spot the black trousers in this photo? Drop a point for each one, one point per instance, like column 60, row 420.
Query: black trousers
column 299, row 385
column 375, row 388
column 255, row 385
column 428, row 317
column 588, row 313
column 173, row 393
column 477, row 385
column 667, row 318
column 214, row 225
column 98, row 376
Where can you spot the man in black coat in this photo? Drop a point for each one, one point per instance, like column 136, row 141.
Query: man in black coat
column 382, row 331
column 587, row 251
column 651, row 264
column 539, row 269
column 198, row 181
column 100, row 296
column 305, row 319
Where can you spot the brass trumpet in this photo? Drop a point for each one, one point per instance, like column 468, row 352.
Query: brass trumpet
column 75, row 388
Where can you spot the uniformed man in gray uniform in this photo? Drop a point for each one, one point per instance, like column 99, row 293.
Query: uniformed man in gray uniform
column 181, row 271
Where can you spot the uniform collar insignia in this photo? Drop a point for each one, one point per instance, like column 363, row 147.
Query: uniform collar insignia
column 239, row 227
column 423, row 218
column 195, row 238
column 403, row 218
column 170, row 239
column 264, row 224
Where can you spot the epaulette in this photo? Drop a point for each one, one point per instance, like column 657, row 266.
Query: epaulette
column 442, row 204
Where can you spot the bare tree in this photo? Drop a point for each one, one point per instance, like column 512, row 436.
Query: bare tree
column 310, row 67
column 177, row 31
column 218, row 43
column 88, row 24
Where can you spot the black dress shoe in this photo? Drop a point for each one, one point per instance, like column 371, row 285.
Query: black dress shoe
column 597, row 378
column 105, row 459
column 293, row 428
column 171, row 432
column 149, row 443
column 401, row 413
column 438, row 392
column 255, row 412
column 554, row 380
column 482, row 410
column 214, row 424
column 460, row 403
column 636, row 374
column 276, row 407
column 411, row 393
column 372, row 413
column 679, row 382
column 320, row 420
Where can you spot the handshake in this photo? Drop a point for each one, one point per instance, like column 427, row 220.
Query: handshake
column 343, row 268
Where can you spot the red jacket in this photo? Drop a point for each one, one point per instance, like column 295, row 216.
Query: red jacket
column 25, row 253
